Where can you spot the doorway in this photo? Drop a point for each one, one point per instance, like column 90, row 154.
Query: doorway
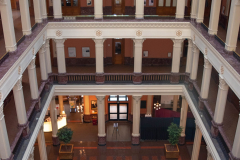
column 118, row 7
column 118, row 111
column 118, row 51
column 166, row 7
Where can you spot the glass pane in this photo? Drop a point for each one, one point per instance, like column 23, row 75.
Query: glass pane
column 168, row 3
column 113, row 98
column 122, row 98
column 75, row 2
column 174, row 3
column 122, row 116
column 113, row 108
column 118, row 2
column 62, row 2
column 68, row 3
column 122, row 108
column 113, row 116
column 160, row 3
column 118, row 47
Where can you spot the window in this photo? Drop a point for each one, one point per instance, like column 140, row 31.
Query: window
column 143, row 104
column 118, row 98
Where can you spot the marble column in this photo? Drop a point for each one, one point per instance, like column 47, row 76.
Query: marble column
column 138, row 45
column 53, row 115
column 61, row 106
column 149, row 106
column 101, row 120
column 31, row 156
column 194, row 9
column 5, row 150
column 180, row 9
column 25, row 17
column 57, row 9
column 200, row 11
column 99, row 46
column 62, row 77
column 205, row 83
column 189, row 58
column 235, row 154
column 20, row 107
column 196, row 143
column 233, row 26
column 42, row 59
column 8, row 27
column 175, row 102
column 220, row 106
column 43, row 9
column 87, row 114
column 42, row 144
column 183, row 120
column 194, row 70
column 177, row 49
column 139, row 9
column 37, row 11
column 209, row 154
column 214, row 17
column 136, row 120
column 98, row 9
column 48, row 57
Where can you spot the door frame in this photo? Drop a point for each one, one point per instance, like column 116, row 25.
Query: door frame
column 117, row 112
column 122, row 49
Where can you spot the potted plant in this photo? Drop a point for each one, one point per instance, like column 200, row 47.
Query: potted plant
column 66, row 150
column 174, row 133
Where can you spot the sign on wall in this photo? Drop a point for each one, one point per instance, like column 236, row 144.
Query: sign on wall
column 145, row 53
column 85, row 52
column 89, row 2
column 71, row 51
column 151, row 2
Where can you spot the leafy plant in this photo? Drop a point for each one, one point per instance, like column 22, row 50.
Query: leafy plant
column 65, row 134
column 174, row 133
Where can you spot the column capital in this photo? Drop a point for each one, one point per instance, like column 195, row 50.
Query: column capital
column 190, row 43
column 222, row 83
column 98, row 41
column 100, row 98
column 177, row 42
column 47, row 42
column 197, row 124
column 18, row 85
column 59, row 42
column 32, row 63
column 207, row 64
column 1, row 111
column 194, row 48
column 137, row 98
column 183, row 97
column 42, row 50
column 138, row 41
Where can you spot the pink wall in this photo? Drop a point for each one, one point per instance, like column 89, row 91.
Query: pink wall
column 107, row 3
column 108, row 48
column 129, row 3
column 128, row 48
column 83, row 3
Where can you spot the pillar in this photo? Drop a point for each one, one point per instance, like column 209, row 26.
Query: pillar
column 101, row 120
column 138, row 45
column 43, row 9
column 196, row 143
column 194, row 9
column 57, row 9
column 20, row 107
column 234, row 154
column 139, row 9
column 180, row 9
column 175, row 102
column 177, row 49
column 189, row 57
column 220, row 106
column 214, row 17
column 37, row 11
column 42, row 145
column 33, row 79
column 5, row 150
column 62, row 77
column 205, row 82
column 42, row 59
column 183, row 120
column 233, row 26
column 8, row 26
column 25, row 17
column 136, row 120
column 31, row 156
column 61, row 107
column 48, row 57
column 149, row 106
column 98, row 9
column 194, row 70
column 99, row 60
column 87, row 114
column 200, row 11
column 53, row 115
column 209, row 154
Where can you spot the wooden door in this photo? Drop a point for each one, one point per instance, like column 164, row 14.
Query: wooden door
column 166, row 7
column 208, row 4
column 13, row 4
column 118, row 51
column 71, row 7
column 118, row 7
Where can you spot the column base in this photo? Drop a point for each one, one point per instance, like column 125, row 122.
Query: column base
column 186, row 79
column 174, row 78
column 135, row 140
column 137, row 78
column 101, row 141
column 232, row 157
column 62, row 78
column 10, row 158
column 214, row 129
column 46, row 86
column 190, row 84
column 56, row 141
column 201, row 103
column 25, row 132
column 100, row 78
column 50, row 78
column 227, row 52
column 148, row 115
column 87, row 118
column 181, row 140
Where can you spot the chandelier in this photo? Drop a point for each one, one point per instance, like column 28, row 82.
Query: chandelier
column 157, row 106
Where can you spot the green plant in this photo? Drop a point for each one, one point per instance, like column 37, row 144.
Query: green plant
column 65, row 134
column 174, row 133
